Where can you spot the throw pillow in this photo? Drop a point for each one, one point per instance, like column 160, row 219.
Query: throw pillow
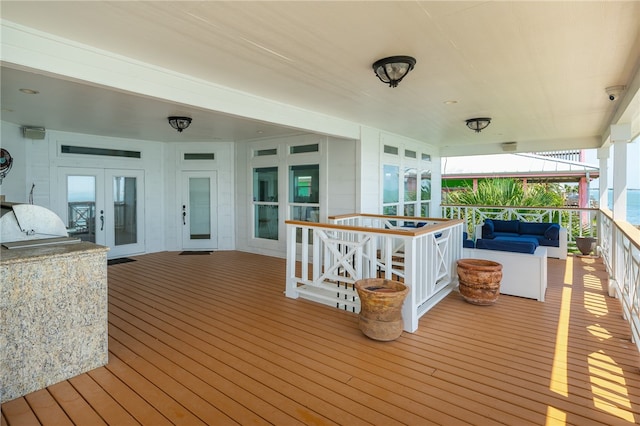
column 552, row 232
column 487, row 229
column 510, row 226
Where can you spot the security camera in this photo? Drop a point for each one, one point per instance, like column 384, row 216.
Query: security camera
column 614, row 92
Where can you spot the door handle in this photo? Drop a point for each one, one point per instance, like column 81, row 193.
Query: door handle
column 102, row 220
column 184, row 215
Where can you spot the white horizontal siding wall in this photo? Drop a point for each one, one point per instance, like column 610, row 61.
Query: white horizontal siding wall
column 341, row 178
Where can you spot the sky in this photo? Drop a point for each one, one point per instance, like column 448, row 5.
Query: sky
column 633, row 165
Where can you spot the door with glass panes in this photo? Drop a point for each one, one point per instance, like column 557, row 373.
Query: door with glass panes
column 104, row 206
column 198, row 215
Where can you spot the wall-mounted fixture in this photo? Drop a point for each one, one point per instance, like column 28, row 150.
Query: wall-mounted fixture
column 179, row 123
column 6, row 161
column 393, row 69
column 509, row 146
column 478, row 124
column 614, row 92
column 29, row 91
column 33, row 132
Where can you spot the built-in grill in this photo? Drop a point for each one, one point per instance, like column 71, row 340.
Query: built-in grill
column 28, row 225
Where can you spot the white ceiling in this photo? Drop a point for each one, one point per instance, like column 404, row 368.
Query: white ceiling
column 538, row 69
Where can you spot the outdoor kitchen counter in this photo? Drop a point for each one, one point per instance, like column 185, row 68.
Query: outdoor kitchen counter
column 53, row 315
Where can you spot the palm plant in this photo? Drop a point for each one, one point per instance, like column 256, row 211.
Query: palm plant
column 501, row 192
column 509, row 192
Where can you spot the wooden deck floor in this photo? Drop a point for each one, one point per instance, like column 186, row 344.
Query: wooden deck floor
column 211, row 339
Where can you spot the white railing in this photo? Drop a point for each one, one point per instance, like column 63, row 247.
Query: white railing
column 620, row 249
column 324, row 260
column 579, row 222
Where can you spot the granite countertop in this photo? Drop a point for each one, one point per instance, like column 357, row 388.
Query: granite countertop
column 28, row 254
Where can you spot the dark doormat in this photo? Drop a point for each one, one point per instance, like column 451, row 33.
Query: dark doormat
column 195, row 252
column 119, row 260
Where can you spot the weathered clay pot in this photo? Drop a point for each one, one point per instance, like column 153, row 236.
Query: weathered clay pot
column 479, row 280
column 381, row 308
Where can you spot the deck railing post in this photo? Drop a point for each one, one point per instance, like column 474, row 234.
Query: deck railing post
column 292, row 282
column 410, row 308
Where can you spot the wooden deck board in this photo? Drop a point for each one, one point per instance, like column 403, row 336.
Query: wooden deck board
column 213, row 340
column 45, row 405
column 131, row 401
column 74, row 405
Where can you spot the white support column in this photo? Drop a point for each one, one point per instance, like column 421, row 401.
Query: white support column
column 620, row 136
column 603, row 197
column 603, row 156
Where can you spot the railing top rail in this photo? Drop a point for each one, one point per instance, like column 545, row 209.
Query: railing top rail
column 405, row 232
column 479, row 206
column 630, row 231
column 381, row 216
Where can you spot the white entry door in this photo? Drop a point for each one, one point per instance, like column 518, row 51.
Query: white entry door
column 198, row 213
column 104, row 206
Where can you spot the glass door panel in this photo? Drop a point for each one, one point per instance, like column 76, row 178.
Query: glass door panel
column 81, row 203
column 198, row 210
column 81, row 207
column 124, row 215
column 124, row 210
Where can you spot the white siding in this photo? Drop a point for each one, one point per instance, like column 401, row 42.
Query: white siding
column 341, row 185
column 370, row 200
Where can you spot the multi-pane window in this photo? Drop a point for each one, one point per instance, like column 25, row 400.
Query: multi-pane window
column 407, row 186
column 294, row 170
column 425, row 192
column 391, row 193
column 410, row 192
column 265, row 202
column 304, row 192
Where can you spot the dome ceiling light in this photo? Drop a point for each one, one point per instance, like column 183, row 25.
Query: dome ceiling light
column 393, row 69
column 478, row 124
column 179, row 123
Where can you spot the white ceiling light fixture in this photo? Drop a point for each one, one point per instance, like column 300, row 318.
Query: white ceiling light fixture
column 509, row 146
column 179, row 123
column 478, row 124
column 393, row 69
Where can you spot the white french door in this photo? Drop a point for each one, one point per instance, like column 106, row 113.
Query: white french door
column 104, row 206
column 198, row 213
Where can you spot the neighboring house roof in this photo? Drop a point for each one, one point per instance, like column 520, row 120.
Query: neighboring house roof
column 530, row 166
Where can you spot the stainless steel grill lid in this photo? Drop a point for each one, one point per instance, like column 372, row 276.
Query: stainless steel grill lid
column 21, row 222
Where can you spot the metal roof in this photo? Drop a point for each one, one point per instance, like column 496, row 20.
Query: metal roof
column 530, row 166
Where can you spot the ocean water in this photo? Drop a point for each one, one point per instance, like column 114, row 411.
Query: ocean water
column 633, row 203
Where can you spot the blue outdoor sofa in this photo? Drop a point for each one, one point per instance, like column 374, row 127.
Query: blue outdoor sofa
column 522, row 237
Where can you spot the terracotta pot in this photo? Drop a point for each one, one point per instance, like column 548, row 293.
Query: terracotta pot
column 479, row 280
column 381, row 308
